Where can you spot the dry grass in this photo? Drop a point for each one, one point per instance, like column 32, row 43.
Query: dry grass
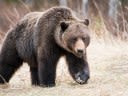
column 109, row 75
column 108, row 64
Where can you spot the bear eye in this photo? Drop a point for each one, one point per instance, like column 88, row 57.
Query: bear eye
column 84, row 39
column 73, row 39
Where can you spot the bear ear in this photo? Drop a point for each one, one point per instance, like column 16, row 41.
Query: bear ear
column 86, row 22
column 64, row 25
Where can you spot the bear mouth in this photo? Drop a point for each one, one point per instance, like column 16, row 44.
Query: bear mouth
column 80, row 55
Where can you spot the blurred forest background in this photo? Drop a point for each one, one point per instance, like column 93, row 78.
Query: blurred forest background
column 108, row 17
column 108, row 61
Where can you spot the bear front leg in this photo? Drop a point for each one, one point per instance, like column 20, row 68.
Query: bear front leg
column 34, row 76
column 78, row 68
column 47, row 63
column 10, row 62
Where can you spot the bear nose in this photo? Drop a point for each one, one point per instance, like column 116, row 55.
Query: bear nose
column 80, row 51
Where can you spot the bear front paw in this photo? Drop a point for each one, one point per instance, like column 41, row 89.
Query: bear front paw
column 48, row 85
column 81, row 78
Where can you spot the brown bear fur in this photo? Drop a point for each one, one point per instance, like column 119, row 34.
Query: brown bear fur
column 37, row 39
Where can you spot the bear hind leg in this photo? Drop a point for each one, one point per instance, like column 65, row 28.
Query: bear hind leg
column 9, row 63
column 7, row 71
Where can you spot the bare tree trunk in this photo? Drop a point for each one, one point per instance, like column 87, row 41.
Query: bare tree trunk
column 75, row 5
column 85, row 7
column 92, row 10
column 63, row 2
column 39, row 4
column 125, row 12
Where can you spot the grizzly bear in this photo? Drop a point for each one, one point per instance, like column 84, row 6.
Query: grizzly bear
column 40, row 39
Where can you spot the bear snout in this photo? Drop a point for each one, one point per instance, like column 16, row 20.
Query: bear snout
column 79, row 48
column 80, row 52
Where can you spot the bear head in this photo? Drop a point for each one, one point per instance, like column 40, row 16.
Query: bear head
column 74, row 36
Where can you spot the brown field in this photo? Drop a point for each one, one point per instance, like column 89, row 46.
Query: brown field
column 109, row 75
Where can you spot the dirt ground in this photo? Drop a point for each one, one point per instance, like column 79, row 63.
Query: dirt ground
column 109, row 75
